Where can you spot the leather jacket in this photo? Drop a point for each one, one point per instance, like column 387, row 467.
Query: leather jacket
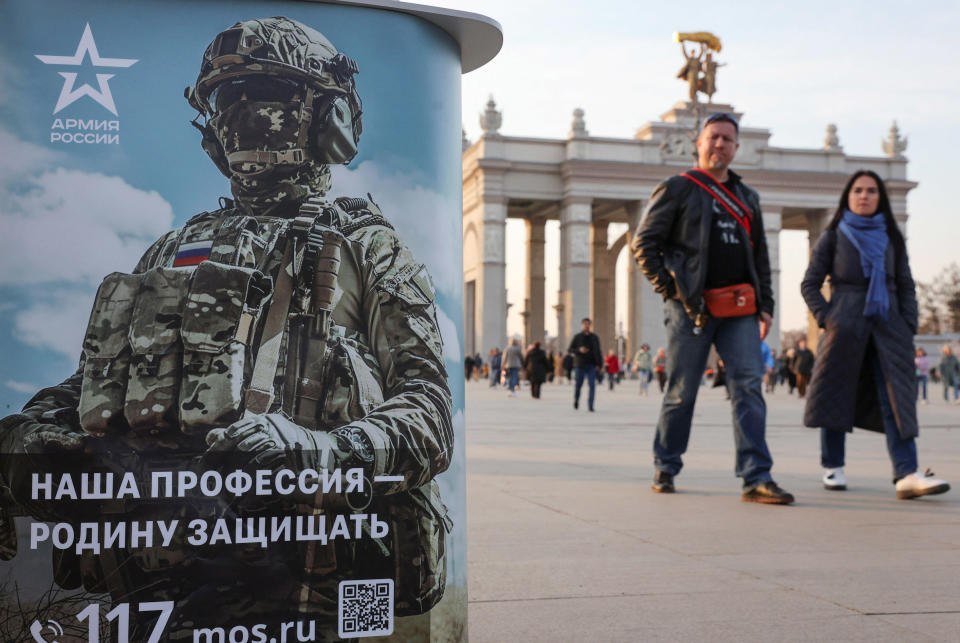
column 672, row 241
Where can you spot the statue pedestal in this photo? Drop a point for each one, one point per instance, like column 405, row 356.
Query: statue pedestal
column 684, row 112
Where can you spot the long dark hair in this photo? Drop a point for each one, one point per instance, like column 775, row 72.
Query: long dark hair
column 893, row 230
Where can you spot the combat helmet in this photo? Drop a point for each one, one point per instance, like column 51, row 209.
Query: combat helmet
column 329, row 115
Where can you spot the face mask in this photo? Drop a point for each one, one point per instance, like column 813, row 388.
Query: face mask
column 257, row 195
column 246, row 127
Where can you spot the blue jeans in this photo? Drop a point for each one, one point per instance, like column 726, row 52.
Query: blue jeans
column 644, row 379
column 903, row 451
column 738, row 342
column 922, row 386
column 590, row 372
column 513, row 378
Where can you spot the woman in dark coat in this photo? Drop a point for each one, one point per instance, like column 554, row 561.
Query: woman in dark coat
column 536, row 365
column 864, row 373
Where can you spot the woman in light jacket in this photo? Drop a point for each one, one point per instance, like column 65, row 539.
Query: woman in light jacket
column 864, row 375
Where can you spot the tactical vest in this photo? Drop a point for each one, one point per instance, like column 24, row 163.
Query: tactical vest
column 191, row 342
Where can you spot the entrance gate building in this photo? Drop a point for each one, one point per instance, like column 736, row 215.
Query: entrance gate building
column 587, row 183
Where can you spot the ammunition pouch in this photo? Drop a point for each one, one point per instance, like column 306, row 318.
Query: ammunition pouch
column 153, row 384
column 161, row 345
column 106, row 349
column 414, row 551
column 221, row 308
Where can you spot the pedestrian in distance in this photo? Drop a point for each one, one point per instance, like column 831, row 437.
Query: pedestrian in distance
column 612, row 365
column 770, row 366
column 720, row 378
column 643, row 364
column 567, row 364
column 496, row 362
column 922, row 364
column 537, row 366
column 588, row 362
column 551, row 366
column 782, row 367
column 702, row 245
column 512, row 363
column 787, row 371
column 468, row 366
column 660, row 368
column 864, row 375
column 802, row 367
column 949, row 369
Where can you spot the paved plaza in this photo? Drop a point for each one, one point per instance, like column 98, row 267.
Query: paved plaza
column 567, row 542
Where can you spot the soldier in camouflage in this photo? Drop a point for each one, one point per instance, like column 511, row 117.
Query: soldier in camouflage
column 285, row 330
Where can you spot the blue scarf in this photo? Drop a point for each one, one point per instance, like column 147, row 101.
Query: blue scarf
column 869, row 236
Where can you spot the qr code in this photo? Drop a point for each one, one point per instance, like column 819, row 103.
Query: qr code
column 365, row 608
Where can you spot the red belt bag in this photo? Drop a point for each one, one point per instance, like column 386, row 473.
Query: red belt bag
column 737, row 300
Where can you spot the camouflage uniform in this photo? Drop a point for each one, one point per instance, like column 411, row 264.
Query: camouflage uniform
column 360, row 380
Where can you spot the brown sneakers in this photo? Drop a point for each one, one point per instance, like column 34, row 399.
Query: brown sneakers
column 767, row 493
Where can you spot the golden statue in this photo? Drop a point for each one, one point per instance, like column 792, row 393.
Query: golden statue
column 698, row 62
column 705, row 38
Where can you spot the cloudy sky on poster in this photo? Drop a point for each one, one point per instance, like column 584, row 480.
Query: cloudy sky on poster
column 72, row 213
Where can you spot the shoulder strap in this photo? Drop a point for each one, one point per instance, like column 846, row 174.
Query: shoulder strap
column 259, row 395
column 725, row 197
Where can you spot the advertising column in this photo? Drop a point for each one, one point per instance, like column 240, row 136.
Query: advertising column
column 230, row 315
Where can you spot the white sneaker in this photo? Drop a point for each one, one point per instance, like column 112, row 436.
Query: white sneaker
column 834, row 480
column 920, row 484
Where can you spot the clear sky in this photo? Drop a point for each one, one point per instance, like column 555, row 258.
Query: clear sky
column 790, row 67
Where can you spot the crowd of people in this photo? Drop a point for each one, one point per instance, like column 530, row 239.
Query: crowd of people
column 583, row 362
column 701, row 244
column 790, row 370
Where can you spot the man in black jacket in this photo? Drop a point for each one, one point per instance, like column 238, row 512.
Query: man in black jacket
column 703, row 231
column 585, row 347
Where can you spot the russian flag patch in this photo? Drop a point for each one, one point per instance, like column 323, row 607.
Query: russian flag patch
column 190, row 254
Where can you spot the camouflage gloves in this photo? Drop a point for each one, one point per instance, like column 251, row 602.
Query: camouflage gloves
column 30, row 448
column 43, row 439
column 274, row 443
column 271, row 442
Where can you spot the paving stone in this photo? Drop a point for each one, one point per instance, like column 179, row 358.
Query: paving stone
column 567, row 542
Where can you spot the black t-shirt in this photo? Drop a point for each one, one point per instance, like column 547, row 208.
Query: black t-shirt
column 728, row 254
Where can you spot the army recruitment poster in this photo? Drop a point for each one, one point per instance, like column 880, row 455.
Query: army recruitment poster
column 230, row 305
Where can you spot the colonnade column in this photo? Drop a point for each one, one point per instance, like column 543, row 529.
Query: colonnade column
column 492, row 302
column 575, row 224
column 536, row 280
column 772, row 224
column 602, row 280
column 635, row 281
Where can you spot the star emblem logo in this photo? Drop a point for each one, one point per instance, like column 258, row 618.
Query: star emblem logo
column 86, row 47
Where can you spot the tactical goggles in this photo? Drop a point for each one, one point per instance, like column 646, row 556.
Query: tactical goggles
column 722, row 116
column 255, row 88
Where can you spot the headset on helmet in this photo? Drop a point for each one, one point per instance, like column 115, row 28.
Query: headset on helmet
column 330, row 120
